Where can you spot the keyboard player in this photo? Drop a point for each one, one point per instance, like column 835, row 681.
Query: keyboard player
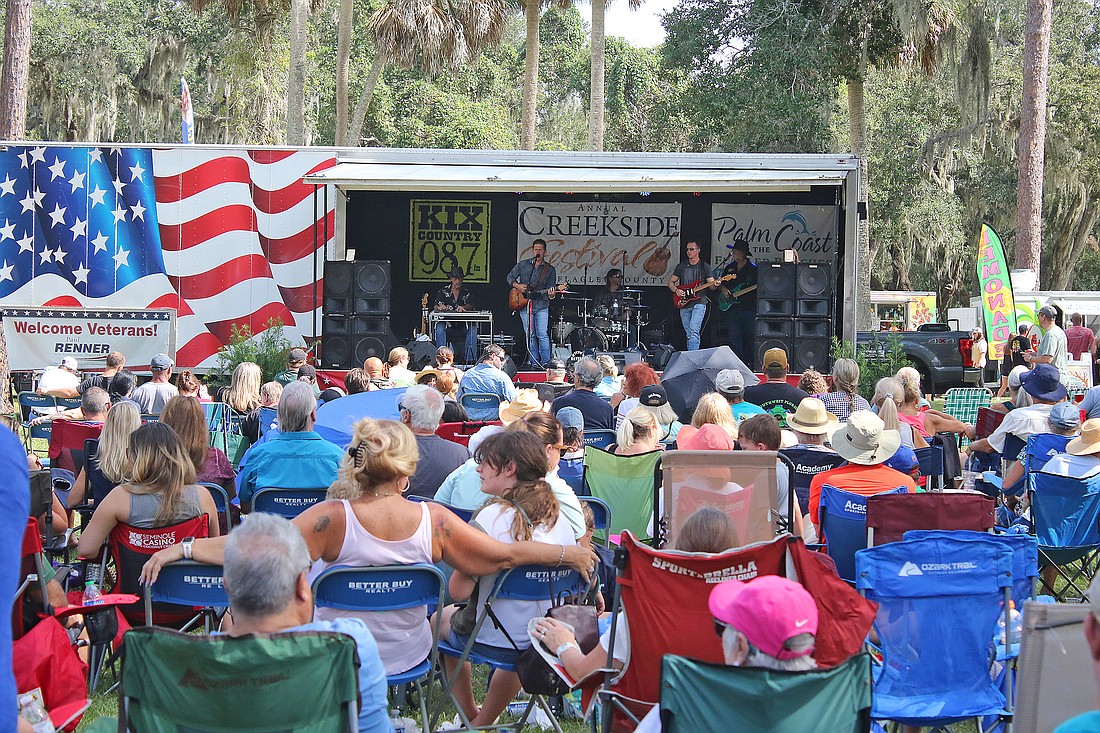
column 454, row 298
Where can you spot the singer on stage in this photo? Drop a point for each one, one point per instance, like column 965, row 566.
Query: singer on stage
column 535, row 278
column 455, row 298
column 737, row 300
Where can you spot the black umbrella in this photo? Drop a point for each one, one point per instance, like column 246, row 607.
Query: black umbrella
column 691, row 374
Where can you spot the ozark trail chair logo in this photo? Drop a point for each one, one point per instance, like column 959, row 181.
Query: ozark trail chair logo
column 191, row 678
column 908, row 570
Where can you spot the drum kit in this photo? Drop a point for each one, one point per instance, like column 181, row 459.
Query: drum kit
column 610, row 322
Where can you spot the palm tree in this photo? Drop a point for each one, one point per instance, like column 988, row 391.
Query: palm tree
column 431, row 34
column 597, row 95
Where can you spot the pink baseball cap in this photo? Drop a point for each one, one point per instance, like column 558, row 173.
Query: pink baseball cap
column 768, row 610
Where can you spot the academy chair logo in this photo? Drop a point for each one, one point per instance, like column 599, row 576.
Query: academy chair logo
column 908, row 570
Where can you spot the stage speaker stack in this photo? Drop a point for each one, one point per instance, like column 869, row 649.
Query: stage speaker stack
column 356, row 321
column 795, row 304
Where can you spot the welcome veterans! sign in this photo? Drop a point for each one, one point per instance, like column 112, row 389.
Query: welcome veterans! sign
column 642, row 240
column 810, row 232
column 39, row 337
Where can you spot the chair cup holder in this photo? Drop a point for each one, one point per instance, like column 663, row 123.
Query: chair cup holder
column 101, row 624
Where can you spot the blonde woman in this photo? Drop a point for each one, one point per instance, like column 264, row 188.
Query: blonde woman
column 160, row 489
column 842, row 398
column 108, row 469
column 639, row 433
column 713, row 409
column 611, row 382
column 243, row 392
column 889, row 395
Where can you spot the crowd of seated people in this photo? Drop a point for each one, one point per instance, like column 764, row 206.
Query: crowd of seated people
column 520, row 478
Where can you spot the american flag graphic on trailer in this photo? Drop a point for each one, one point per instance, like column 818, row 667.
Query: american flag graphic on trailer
column 224, row 236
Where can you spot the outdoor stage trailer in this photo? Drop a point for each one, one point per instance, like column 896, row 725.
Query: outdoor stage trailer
column 425, row 211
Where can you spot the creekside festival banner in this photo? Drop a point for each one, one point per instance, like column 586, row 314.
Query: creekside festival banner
column 995, row 283
column 777, row 233
column 642, row 240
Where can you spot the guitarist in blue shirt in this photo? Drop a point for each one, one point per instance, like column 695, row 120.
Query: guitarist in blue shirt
column 533, row 282
column 737, row 301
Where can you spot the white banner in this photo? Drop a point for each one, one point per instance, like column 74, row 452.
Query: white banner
column 39, row 337
column 810, row 232
column 642, row 240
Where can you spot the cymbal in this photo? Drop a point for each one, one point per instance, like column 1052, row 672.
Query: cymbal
column 573, row 296
column 629, row 291
column 638, row 307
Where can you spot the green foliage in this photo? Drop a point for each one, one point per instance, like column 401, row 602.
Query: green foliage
column 877, row 358
column 268, row 349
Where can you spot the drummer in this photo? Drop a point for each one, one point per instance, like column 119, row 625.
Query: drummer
column 609, row 301
column 454, row 298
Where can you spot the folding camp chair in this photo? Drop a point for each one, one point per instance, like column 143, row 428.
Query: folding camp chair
column 663, row 594
column 743, row 485
column 268, row 419
column 298, row 682
column 461, row 432
column 842, row 517
column 930, row 465
column 1066, row 512
column 601, row 517
column 32, row 566
column 807, row 463
column 464, row 514
column 1056, row 680
column 889, row 516
column 221, row 503
column 939, row 602
column 481, row 402
column 44, row 659
column 287, row 503
column 67, row 440
column 32, row 405
column 628, row 485
column 388, row 588
column 189, row 583
column 599, row 438
column 697, row 697
column 1041, row 447
column 962, row 403
column 523, row 583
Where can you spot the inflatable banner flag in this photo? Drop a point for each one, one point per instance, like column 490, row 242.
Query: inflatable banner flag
column 995, row 283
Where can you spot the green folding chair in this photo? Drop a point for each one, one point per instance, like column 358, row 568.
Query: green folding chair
column 628, row 485
column 712, row 698
column 301, row 682
column 962, row 403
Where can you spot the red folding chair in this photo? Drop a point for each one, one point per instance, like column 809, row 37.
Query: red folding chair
column 889, row 516
column 31, row 565
column 44, row 659
column 461, row 432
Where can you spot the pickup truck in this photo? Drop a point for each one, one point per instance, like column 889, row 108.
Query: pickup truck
column 941, row 355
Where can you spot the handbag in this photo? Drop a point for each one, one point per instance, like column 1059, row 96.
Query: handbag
column 535, row 674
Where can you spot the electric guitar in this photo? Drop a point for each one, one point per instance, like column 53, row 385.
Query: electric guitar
column 424, row 315
column 518, row 299
column 726, row 302
column 692, row 290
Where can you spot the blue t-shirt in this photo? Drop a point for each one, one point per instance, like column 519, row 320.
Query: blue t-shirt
column 289, row 461
column 744, row 410
column 1084, row 723
column 15, row 497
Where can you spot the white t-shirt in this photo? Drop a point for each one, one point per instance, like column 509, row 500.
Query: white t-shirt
column 1021, row 422
column 978, row 353
column 1072, row 466
column 56, row 378
column 496, row 520
column 570, row 504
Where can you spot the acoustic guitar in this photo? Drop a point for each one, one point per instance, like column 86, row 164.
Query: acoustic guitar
column 518, row 299
column 692, row 290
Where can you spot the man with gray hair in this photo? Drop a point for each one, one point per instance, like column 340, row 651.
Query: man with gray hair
column 421, row 408
column 266, row 578
column 295, row 457
column 597, row 412
column 93, row 408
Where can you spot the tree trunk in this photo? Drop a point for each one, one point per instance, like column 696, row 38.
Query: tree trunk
column 857, row 130
column 13, row 80
column 343, row 62
column 365, row 96
column 596, row 89
column 1033, row 131
column 530, row 76
column 5, row 376
column 296, row 74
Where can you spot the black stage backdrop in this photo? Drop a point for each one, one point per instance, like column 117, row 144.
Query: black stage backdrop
column 378, row 228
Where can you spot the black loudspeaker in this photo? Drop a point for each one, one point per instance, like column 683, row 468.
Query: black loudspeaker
column 360, row 288
column 775, row 290
column 658, row 356
column 815, row 281
column 509, row 367
column 421, row 354
column 347, row 341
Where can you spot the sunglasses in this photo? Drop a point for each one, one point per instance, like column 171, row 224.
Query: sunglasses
column 720, row 627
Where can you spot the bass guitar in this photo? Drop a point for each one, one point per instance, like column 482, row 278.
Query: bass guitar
column 736, row 291
column 424, row 315
column 691, row 290
column 518, row 299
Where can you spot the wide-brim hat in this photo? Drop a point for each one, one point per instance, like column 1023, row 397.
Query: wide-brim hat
column 1044, row 382
column 865, row 439
column 812, row 418
column 428, row 372
column 527, row 400
column 1088, row 442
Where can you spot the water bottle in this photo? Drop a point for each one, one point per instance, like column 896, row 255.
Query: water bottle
column 91, row 594
column 32, row 711
column 397, row 721
column 1015, row 626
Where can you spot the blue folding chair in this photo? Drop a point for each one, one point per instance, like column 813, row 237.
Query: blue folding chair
column 477, row 403
column 601, row 516
column 939, row 602
column 41, row 431
column 807, row 463
column 1066, row 512
column 842, row 517
column 287, row 503
column 221, row 502
column 29, row 401
column 67, row 403
column 388, row 588
column 930, row 464
column 599, row 438
column 269, row 418
column 464, row 514
column 523, row 583
column 189, row 583
column 1041, row 447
